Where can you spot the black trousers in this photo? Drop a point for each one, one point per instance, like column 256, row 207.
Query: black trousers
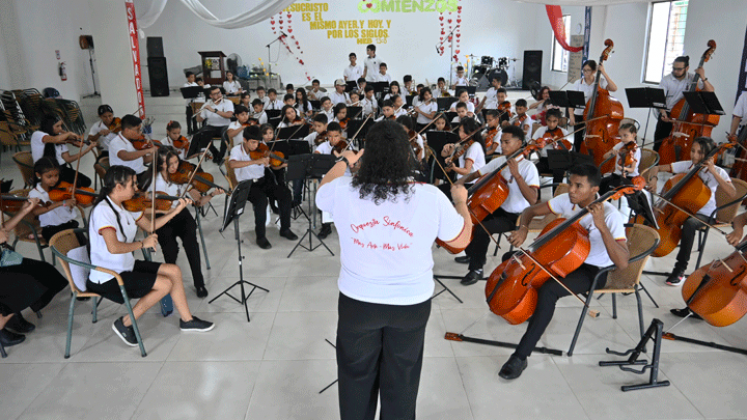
column 663, row 129
column 182, row 226
column 204, row 138
column 689, row 230
column 67, row 174
column 48, row 232
column 578, row 138
column 499, row 222
column 379, row 355
column 31, row 284
column 548, row 294
column 191, row 122
column 543, row 167
column 258, row 194
column 613, row 181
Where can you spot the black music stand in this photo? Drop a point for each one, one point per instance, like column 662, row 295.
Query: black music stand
column 191, row 92
column 293, row 132
column 310, row 167
column 409, row 99
column 471, row 90
column 364, row 125
column 567, row 98
column 646, row 97
column 351, row 85
column 445, row 103
column 235, row 209
column 316, row 104
column 273, row 117
column 450, row 115
column 355, row 112
column 702, row 102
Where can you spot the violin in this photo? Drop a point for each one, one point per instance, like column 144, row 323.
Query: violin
column 64, row 191
column 340, row 146
column 321, row 138
column 490, row 137
column 142, row 143
column 263, row 151
column 504, row 108
column 202, row 181
column 77, row 141
column 520, row 120
column 344, row 123
column 142, row 201
column 558, row 142
column 181, row 143
column 115, row 126
column 626, row 154
column 12, row 203
column 413, row 135
column 689, row 125
column 602, row 114
column 561, row 248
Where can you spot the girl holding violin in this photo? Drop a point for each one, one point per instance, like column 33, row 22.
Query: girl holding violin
column 627, row 156
column 303, row 106
column 492, row 132
column 53, row 216
column 713, row 177
column 607, row 246
column 175, row 139
column 105, row 129
column 387, row 111
column 290, row 117
column 550, row 137
column 246, row 100
column 471, row 152
column 50, row 140
column 522, row 179
column 586, row 85
column 30, row 284
column 182, row 225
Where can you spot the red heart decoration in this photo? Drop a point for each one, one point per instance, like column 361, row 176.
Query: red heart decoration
column 459, row 21
column 308, row 78
column 272, row 21
column 289, row 15
column 281, row 21
column 456, row 51
column 441, row 38
column 459, row 8
column 458, row 35
column 440, row 18
column 289, row 31
column 443, row 32
column 448, row 21
column 450, row 38
column 273, row 28
column 300, row 61
column 369, row 5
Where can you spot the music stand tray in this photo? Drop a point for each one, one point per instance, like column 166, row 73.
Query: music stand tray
column 354, row 112
column 191, row 92
column 380, row 87
column 233, row 212
column 567, row 98
column 438, row 139
column 646, row 97
column 294, row 132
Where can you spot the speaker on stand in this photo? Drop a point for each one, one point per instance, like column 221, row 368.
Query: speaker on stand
column 532, row 74
column 158, row 76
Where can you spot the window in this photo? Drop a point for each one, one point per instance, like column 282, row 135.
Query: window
column 559, row 55
column 666, row 38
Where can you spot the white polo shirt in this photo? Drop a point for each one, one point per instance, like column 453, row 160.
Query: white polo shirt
column 239, row 138
column 324, row 148
column 103, row 140
column 707, row 178
column 740, row 109
column 515, row 202
column 277, row 104
column 369, row 106
column 37, row 147
column 598, row 256
column 339, row 98
column 120, row 143
column 427, row 108
column 168, row 188
column 674, row 87
column 182, row 153
column 587, row 89
column 386, row 254
column 470, row 107
column 261, row 117
column 55, row 217
column 213, row 118
column 353, row 73
column 232, row 87
column 102, row 218
column 476, row 155
column 372, row 67
column 620, row 162
column 491, row 98
column 253, row 172
column 383, row 77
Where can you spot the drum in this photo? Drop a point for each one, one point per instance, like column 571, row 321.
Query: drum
column 486, row 61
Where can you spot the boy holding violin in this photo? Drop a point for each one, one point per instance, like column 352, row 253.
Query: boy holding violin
column 250, row 165
column 607, row 246
column 547, row 134
column 122, row 152
column 236, row 128
column 522, row 179
column 105, row 129
column 627, row 156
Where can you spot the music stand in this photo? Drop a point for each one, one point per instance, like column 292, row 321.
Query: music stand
column 701, row 102
column 355, row 112
column 351, row 85
column 380, row 89
column 646, row 97
column 409, row 99
column 471, row 90
column 567, row 98
column 354, row 125
column 311, row 167
column 273, row 117
column 316, row 104
column 445, row 103
column 294, row 132
column 450, row 115
column 191, row 92
column 235, row 209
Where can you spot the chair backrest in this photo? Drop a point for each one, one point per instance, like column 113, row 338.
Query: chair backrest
column 7, row 137
column 642, row 241
column 728, row 205
column 649, row 158
column 25, row 164
column 562, row 188
column 102, row 166
column 231, row 176
column 61, row 243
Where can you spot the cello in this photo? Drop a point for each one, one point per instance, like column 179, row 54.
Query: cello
column 689, row 125
column 603, row 114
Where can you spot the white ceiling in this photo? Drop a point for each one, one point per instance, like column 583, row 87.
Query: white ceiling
column 583, row 2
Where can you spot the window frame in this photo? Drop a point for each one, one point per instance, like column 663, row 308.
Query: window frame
column 555, row 46
column 647, row 46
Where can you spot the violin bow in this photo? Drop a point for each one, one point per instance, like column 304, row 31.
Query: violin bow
column 350, row 143
column 429, row 124
column 153, row 200
column 461, row 142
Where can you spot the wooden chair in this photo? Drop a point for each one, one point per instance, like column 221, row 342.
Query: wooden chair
column 61, row 244
column 25, row 164
column 101, row 167
column 642, row 241
column 649, row 159
column 727, row 208
column 9, row 139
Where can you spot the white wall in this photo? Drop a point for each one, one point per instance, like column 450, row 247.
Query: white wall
column 4, row 71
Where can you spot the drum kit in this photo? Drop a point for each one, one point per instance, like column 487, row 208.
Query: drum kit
column 489, row 69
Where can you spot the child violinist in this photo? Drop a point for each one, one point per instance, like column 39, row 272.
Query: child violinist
column 54, row 216
column 174, row 139
column 246, row 100
column 320, row 128
column 102, row 132
column 330, row 147
column 111, row 231
column 259, row 114
column 441, row 90
column 387, row 111
column 492, row 134
column 426, row 109
column 472, row 159
column 369, row 103
column 627, row 157
column 50, row 140
column 182, row 225
column 463, row 98
column 303, row 106
column 237, row 127
column 327, row 108
column 393, row 90
column 521, row 119
column 341, row 114
column 713, row 177
column 290, row 117
column 554, row 132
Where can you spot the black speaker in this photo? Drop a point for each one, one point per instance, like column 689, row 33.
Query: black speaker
column 158, row 76
column 532, row 69
column 155, row 46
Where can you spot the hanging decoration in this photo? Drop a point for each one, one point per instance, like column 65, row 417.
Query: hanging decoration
column 555, row 14
column 448, row 23
column 280, row 24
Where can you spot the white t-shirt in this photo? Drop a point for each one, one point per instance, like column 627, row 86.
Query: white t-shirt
column 215, row 120
column 339, row 98
column 383, row 77
column 470, row 107
column 239, row 138
column 311, row 138
column 102, row 218
column 526, row 126
column 168, row 188
column 353, row 73
column 182, row 153
column 386, row 254
column 587, row 89
column 253, row 172
column 400, row 112
column 491, row 98
column 103, row 140
column 541, row 132
column 598, row 256
column 372, row 67
column 620, row 162
column 369, row 105
column 740, row 109
column 461, row 81
column 427, row 108
column 674, row 87
column 37, row 147
column 476, row 155
column 261, row 117
column 232, row 87
column 120, row 143
column 55, row 217
column 299, row 108
column 684, row 166
column 324, row 148
column 265, row 100
column 277, row 104
column 515, row 202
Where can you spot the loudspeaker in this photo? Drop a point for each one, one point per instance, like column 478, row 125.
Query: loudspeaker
column 158, row 76
column 155, row 46
column 532, row 68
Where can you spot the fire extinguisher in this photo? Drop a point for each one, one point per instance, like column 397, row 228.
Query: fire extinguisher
column 62, row 71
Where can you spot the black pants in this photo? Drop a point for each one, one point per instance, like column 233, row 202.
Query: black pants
column 578, row 281
column 48, row 232
column 67, row 174
column 262, row 189
column 543, row 167
column 689, row 230
column 499, row 222
column 182, row 226
column 663, row 129
column 379, row 354
column 204, row 138
column 578, row 138
column 191, row 122
column 31, row 284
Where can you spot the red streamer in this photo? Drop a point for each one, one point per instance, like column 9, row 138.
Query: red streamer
column 555, row 14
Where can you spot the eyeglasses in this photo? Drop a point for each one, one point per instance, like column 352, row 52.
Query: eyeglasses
column 678, row 68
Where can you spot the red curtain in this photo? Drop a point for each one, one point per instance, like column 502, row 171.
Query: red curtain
column 555, row 14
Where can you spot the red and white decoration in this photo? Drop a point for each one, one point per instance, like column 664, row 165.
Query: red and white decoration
column 135, row 47
column 448, row 23
column 281, row 24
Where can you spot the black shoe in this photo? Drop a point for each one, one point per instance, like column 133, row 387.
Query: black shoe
column 202, row 292
column 18, row 324
column 288, row 234
column 196, row 325
column 264, row 243
column 127, row 334
column 684, row 312
column 676, row 278
column 325, row 230
column 463, row 259
column 472, row 277
column 9, row 338
column 512, row 368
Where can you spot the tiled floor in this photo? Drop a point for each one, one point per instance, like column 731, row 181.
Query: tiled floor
column 274, row 367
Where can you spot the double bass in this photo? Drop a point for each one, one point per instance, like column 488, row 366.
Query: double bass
column 689, row 125
column 602, row 114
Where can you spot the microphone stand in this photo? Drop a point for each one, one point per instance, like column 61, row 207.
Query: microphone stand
column 269, row 58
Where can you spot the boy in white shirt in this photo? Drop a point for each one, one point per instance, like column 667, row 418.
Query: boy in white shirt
column 521, row 119
column 236, row 128
column 261, row 95
column 463, row 98
column 461, row 110
column 490, row 100
column 441, row 90
column 334, row 135
column 123, row 153
column 191, row 122
column 339, row 96
column 100, row 132
column 315, row 94
column 259, row 114
column 383, row 76
column 371, row 64
column 320, row 126
column 369, row 103
column 273, row 103
column 218, row 113
column 548, row 133
column 327, row 108
column 354, row 71
column 461, row 80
